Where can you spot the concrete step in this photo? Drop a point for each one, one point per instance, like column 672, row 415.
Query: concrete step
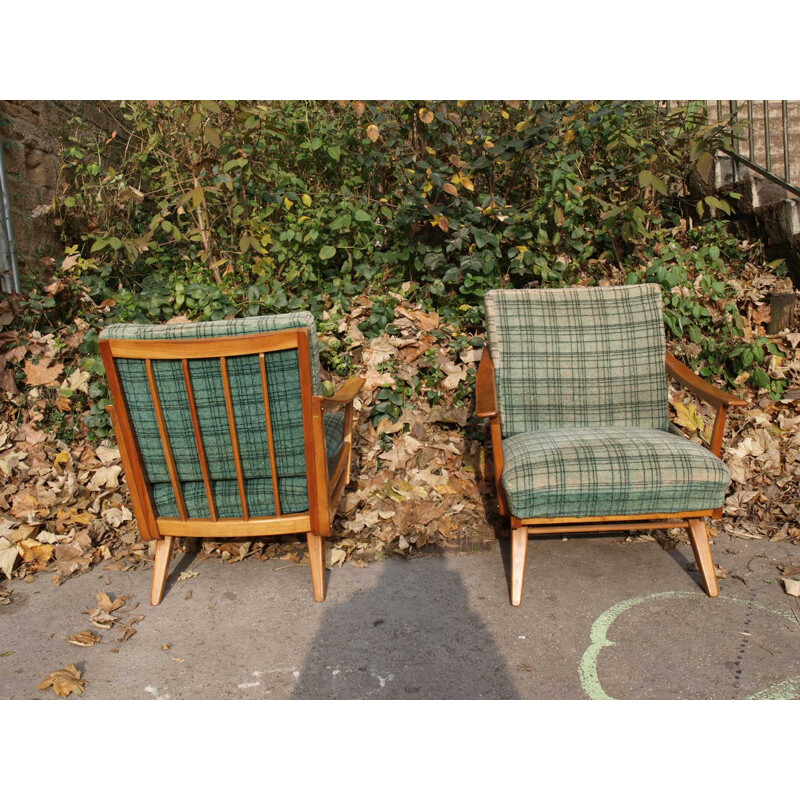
column 780, row 221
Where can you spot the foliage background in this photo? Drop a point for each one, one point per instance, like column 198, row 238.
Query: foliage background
column 209, row 209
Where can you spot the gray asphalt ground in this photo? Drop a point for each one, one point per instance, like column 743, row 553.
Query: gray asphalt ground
column 601, row 617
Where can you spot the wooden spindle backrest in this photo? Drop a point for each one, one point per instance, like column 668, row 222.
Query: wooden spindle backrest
column 183, row 351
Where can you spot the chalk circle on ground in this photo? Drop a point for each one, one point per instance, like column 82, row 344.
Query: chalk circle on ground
column 590, row 680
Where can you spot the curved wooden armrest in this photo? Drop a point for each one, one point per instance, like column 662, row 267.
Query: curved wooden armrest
column 347, row 393
column 701, row 387
column 485, row 388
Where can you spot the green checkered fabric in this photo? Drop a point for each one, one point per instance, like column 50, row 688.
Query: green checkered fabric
column 286, row 414
column 582, row 396
column 578, row 357
column 594, row 472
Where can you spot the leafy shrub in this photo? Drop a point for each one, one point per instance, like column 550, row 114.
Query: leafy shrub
column 209, row 209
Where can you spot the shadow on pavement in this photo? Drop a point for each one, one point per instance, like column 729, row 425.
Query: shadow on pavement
column 410, row 636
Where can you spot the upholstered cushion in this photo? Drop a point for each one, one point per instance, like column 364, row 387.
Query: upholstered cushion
column 578, row 357
column 286, row 414
column 260, row 502
column 593, row 472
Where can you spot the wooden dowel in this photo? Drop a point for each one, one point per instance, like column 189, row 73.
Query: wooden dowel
column 198, row 435
column 270, row 439
column 162, row 429
column 234, row 438
column 715, row 445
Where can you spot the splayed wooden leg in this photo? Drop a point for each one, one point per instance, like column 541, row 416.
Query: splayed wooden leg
column 519, row 552
column 163, row 554
column 702, row 555
column 316, row 552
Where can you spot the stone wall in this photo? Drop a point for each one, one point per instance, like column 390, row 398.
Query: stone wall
column 30, row 132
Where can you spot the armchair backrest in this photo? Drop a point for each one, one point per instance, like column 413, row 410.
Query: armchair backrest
column 578, row 357
column 217, row 412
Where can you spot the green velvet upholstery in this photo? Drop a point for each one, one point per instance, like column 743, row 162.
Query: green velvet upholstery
column 596, row 472
column 582, row 396
column 283, row 377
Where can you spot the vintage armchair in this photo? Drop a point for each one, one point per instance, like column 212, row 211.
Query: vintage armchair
column 223, row 431
column 574, row 382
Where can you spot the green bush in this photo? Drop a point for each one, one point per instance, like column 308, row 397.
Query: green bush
column 210, row 209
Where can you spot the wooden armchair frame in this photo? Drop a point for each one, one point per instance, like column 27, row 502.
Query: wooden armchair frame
column 486, row 407
column 324, row 489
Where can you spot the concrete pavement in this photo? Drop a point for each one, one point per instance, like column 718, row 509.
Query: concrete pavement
column 600, row 618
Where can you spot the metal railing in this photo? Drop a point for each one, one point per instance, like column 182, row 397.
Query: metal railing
column 771, row 136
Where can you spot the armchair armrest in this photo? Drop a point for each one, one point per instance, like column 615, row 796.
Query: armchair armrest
column 485, row 388
column 701, row 387
column 486, row 407
column 705, row 391
column 346, row 394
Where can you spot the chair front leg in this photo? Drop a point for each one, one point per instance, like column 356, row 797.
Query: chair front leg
column 519, row 553
column 702, row 554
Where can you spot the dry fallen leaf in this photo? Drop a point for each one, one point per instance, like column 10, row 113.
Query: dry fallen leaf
column 64, row 681
column 84, row 639
column 8, row 556
column 102, row 616
column 185, row 576
column 42, row 373
column 792, row 586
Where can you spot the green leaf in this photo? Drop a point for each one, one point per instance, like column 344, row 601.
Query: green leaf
column 326, row 252
column 647, row 178
column 760, row 378
column 211, row 135
column 704, row 165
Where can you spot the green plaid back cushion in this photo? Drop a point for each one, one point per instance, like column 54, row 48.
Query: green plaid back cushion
column 286, row 413
column 578, row 357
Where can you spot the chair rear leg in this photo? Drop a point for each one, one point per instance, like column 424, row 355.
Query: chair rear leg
column 519, row 552
column 316, row 553
column 702, row 555
column 163, row 554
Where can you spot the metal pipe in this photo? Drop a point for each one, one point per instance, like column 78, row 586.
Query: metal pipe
column 785, row 110
column 762, row 171
column 8, row 259
column 767, row 149
column 750, row 129
column 734, row 120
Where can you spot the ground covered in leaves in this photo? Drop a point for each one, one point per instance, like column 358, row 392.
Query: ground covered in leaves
column 423, row 462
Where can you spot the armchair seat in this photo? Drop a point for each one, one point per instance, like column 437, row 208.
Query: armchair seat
column 596, row 472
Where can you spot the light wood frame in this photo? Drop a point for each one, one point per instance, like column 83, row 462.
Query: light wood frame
column 324, row 489
column 694, row 521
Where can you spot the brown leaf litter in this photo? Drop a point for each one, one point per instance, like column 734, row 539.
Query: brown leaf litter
column 422, row 478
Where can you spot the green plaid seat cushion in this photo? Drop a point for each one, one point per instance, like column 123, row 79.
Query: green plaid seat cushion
column 593, row 472
column 286, row 414
column 578, row 357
